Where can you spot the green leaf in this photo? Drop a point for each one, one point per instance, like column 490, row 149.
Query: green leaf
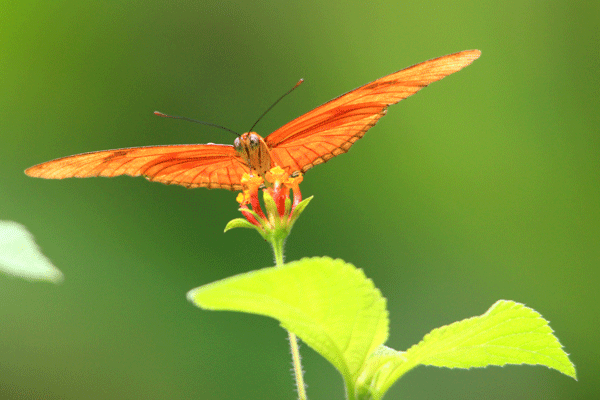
column 239, row 223
column 270, row 205
column 329, row 304
column 20, row 255
column 508, row 333
column 300, row 208
column 375, row 376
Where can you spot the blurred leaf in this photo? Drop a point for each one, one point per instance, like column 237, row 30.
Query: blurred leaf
column 20, row 255
column 329, row 304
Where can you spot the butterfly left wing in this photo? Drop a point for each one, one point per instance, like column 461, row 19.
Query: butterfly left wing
column 194, row 165
column 330, row 129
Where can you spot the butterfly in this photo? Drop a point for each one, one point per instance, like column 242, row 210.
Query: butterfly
column 311, row 139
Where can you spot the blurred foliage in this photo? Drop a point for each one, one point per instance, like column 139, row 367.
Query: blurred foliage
column 20, row 256
column 483, row 186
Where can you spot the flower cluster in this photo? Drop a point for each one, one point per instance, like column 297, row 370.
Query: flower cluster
column 282, row 208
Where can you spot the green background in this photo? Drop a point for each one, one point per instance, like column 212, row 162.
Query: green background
column 484, row 186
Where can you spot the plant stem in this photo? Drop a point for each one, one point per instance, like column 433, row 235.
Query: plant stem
column 277, row 244
column 297, row 366
column 278, row 251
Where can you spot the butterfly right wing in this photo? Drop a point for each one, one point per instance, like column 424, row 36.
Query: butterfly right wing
column 190, row 165
column 330, row 129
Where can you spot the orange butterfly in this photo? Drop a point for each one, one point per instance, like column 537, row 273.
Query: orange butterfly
column 309, row 140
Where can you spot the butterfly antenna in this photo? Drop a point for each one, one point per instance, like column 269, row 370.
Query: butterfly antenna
column 278, row 100
column 196, row 121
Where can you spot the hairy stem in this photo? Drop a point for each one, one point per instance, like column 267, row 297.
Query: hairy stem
column 278, row 251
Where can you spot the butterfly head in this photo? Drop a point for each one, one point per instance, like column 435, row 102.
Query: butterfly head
column 254, row 151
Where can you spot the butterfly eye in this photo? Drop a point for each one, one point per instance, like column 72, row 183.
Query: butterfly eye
column 254, row 140
column 236, row 144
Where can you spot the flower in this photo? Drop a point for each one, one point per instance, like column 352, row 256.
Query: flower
column 282, row 208
column 250, row 196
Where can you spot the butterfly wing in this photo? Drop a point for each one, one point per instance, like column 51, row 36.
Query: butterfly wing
column 194, row 165
column 330, row 129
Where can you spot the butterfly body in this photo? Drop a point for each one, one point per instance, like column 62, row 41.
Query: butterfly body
column 255, row 152
column 311, row 139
